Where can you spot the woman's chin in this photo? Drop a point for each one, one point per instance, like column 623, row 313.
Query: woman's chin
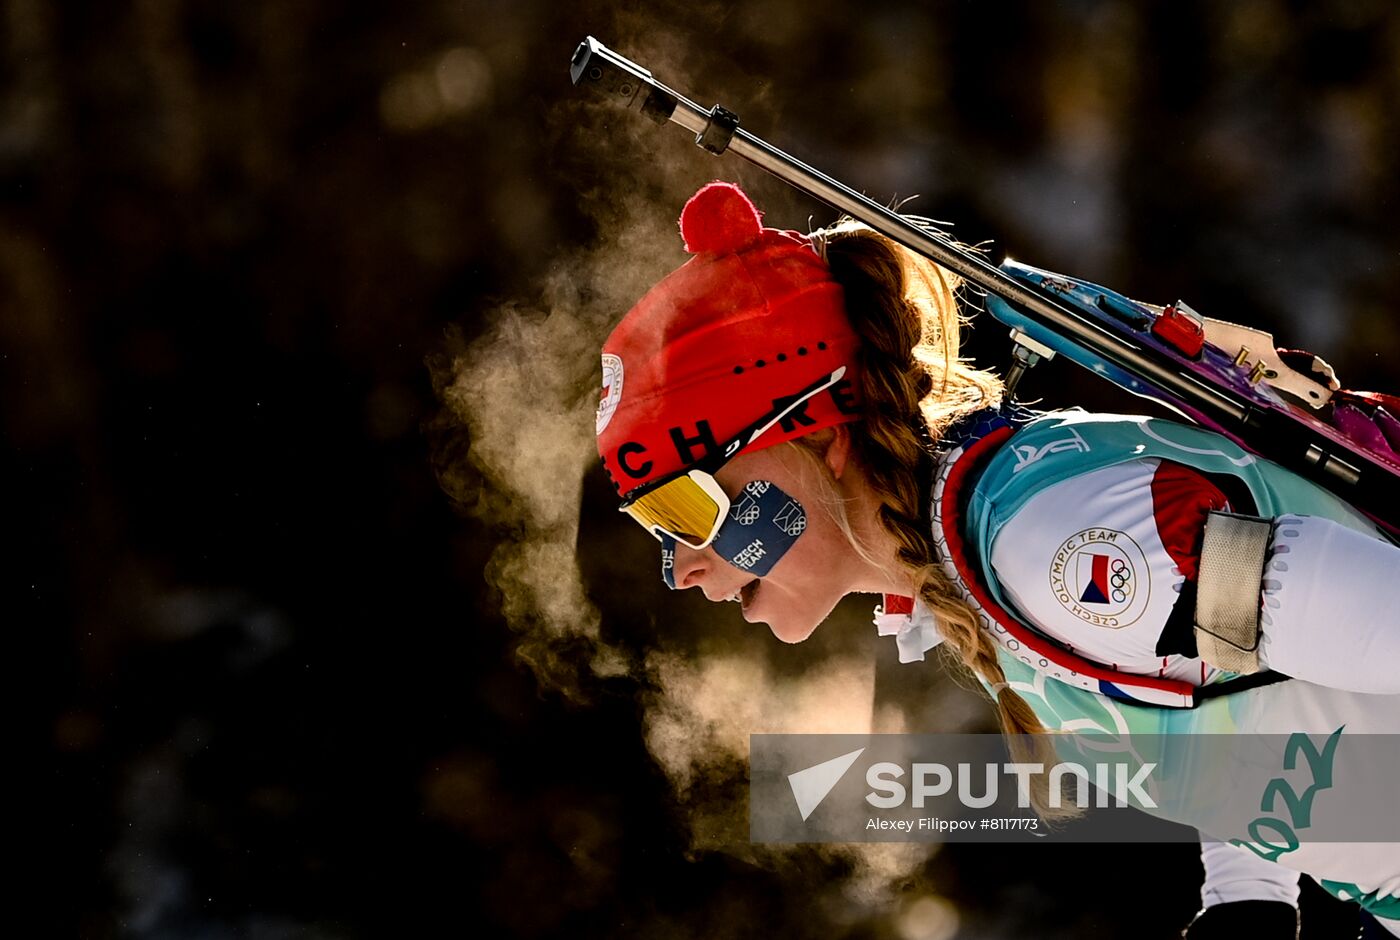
column 762, row 602
column 792, row 632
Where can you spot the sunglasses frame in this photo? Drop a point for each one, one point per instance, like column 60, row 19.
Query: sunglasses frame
column 704, row 469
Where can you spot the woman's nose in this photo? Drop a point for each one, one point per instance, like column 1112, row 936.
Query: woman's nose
column 691, row 566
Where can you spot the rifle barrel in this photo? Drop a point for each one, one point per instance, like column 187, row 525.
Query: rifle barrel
column 627, row 81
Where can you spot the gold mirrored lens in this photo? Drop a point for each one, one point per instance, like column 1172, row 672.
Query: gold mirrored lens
column 681, row 508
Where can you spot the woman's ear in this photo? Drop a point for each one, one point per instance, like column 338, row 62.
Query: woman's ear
column 838, row 450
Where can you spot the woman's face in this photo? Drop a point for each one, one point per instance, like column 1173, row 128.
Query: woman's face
column 818, row 569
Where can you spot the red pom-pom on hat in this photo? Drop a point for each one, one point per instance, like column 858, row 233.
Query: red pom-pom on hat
column 754, row 316
column 720, row 219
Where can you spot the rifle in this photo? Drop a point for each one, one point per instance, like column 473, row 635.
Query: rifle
column 1226, row 377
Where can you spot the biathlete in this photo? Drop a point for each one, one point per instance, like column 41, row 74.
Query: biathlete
column 1092, row 571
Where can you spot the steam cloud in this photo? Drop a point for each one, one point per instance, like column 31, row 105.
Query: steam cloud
column 524, row 392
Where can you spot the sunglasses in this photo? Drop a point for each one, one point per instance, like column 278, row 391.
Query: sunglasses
column 689, row 505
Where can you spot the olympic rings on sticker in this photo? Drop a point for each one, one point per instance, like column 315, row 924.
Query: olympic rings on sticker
column 1120, row 575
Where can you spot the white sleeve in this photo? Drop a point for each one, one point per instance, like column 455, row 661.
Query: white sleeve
column 1330, row 600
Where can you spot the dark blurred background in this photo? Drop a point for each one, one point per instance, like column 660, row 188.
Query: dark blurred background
column 299, row 315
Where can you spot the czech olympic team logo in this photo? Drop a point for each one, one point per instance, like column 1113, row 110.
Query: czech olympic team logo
column 612, row 390
column 1098, row 575
column 745, row 510
column 791, row 519
column 1106, row 579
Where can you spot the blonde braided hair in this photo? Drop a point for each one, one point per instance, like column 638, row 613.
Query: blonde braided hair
column 914, row 386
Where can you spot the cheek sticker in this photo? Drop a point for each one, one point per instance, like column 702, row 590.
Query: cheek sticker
column 763, row 524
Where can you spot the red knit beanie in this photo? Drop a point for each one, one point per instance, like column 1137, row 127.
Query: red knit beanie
column 754, row 317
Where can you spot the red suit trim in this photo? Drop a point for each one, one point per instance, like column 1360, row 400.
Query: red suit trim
column 1181, row 500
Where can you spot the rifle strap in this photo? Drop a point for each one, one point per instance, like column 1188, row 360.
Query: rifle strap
column 1233, row 552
